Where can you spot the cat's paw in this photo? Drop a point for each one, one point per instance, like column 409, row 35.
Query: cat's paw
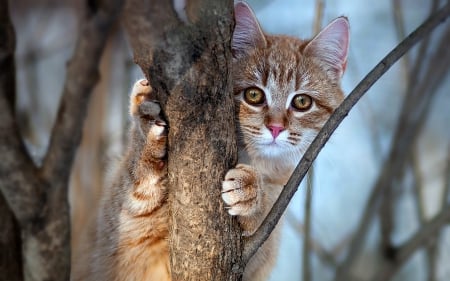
column 142, row 103
column 146, row 112
column 241, row 191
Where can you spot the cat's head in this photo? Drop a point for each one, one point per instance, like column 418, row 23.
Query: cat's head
column 285, row 88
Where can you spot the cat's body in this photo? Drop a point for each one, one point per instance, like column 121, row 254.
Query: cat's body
column 285, row 89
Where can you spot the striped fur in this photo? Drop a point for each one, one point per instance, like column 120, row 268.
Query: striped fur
column 283, row 68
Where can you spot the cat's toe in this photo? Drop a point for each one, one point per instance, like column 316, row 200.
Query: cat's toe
column 156, row 138
column 142, row 102
column 240, row 191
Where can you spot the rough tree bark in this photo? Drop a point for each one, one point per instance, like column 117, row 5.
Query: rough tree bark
column 37, row 195
column 10, row 255
column 186, row 55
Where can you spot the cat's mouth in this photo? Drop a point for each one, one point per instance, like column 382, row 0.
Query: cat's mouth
column 274, row 143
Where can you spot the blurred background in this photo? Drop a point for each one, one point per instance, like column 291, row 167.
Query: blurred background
column 370, row 200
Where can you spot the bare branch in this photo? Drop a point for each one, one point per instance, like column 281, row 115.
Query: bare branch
column 255, row 241
column 38, row 198
column 319, row 9
column 326, row 256
column 426, row 234
column 386, row 222
column 446, row 193
column 82, row 75
column 412, row 116
column 10, row 243
column 16, row 167
column 399, row 23
column 307, row 228
column 418, row 188
column 310, row 180
column 421, row 55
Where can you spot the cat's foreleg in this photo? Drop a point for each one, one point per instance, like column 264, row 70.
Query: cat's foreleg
column 148, row 164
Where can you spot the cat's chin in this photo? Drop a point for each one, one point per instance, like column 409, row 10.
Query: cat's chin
column 275, row 150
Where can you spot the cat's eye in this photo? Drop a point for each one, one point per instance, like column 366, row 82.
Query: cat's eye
column 302, row 102
column 254, row 96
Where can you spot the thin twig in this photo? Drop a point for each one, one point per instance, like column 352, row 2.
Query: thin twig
column 446, row 193
column 327, row 257
column 319, row 9
column 306, row 257
column 399, row 23
column 255, row 241
column 418, row 189
column 421, row 54
column 386, row 222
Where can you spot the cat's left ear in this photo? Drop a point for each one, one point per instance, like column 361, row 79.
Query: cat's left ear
column 330, row 46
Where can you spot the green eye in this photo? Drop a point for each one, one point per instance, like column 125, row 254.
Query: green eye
column 254, row 96
column 302, row 102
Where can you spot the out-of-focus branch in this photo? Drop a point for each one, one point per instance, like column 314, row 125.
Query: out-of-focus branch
column 412, row 116
column 326, row 256
column 318, row 17
column 446, row 193
column 386, row 222
column 415, row 72
column 399, row 23
column 16, row 168
column 10, row 243
column 82, row 75
column 255, row 241
column 418, row 189
column 306, row 257
column 38, row 197
column 426, row 234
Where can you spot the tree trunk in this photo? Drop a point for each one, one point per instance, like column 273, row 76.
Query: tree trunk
column 10, row 243
column 10, row 254
column 186, row 55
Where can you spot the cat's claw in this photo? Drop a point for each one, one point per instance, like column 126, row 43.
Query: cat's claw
column 241, row 191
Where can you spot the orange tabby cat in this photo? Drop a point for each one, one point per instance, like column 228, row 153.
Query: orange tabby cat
column 285, row 89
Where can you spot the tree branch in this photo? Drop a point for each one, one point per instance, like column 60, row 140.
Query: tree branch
column 255, row 241
column 38, row 198
column 10, row 243
column 426, row 234
column 17, row 170
column 82, row 75
column 412, row 116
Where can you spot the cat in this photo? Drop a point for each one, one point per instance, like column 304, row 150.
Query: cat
column 285, row 89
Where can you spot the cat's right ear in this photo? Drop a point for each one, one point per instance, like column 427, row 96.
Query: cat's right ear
column 247, row 32
column 330, row 46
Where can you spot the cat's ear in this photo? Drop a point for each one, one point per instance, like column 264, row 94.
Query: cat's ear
column 330, row 46
column 247, row 32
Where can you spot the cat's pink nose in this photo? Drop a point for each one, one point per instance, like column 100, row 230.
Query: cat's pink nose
column 275, row 130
